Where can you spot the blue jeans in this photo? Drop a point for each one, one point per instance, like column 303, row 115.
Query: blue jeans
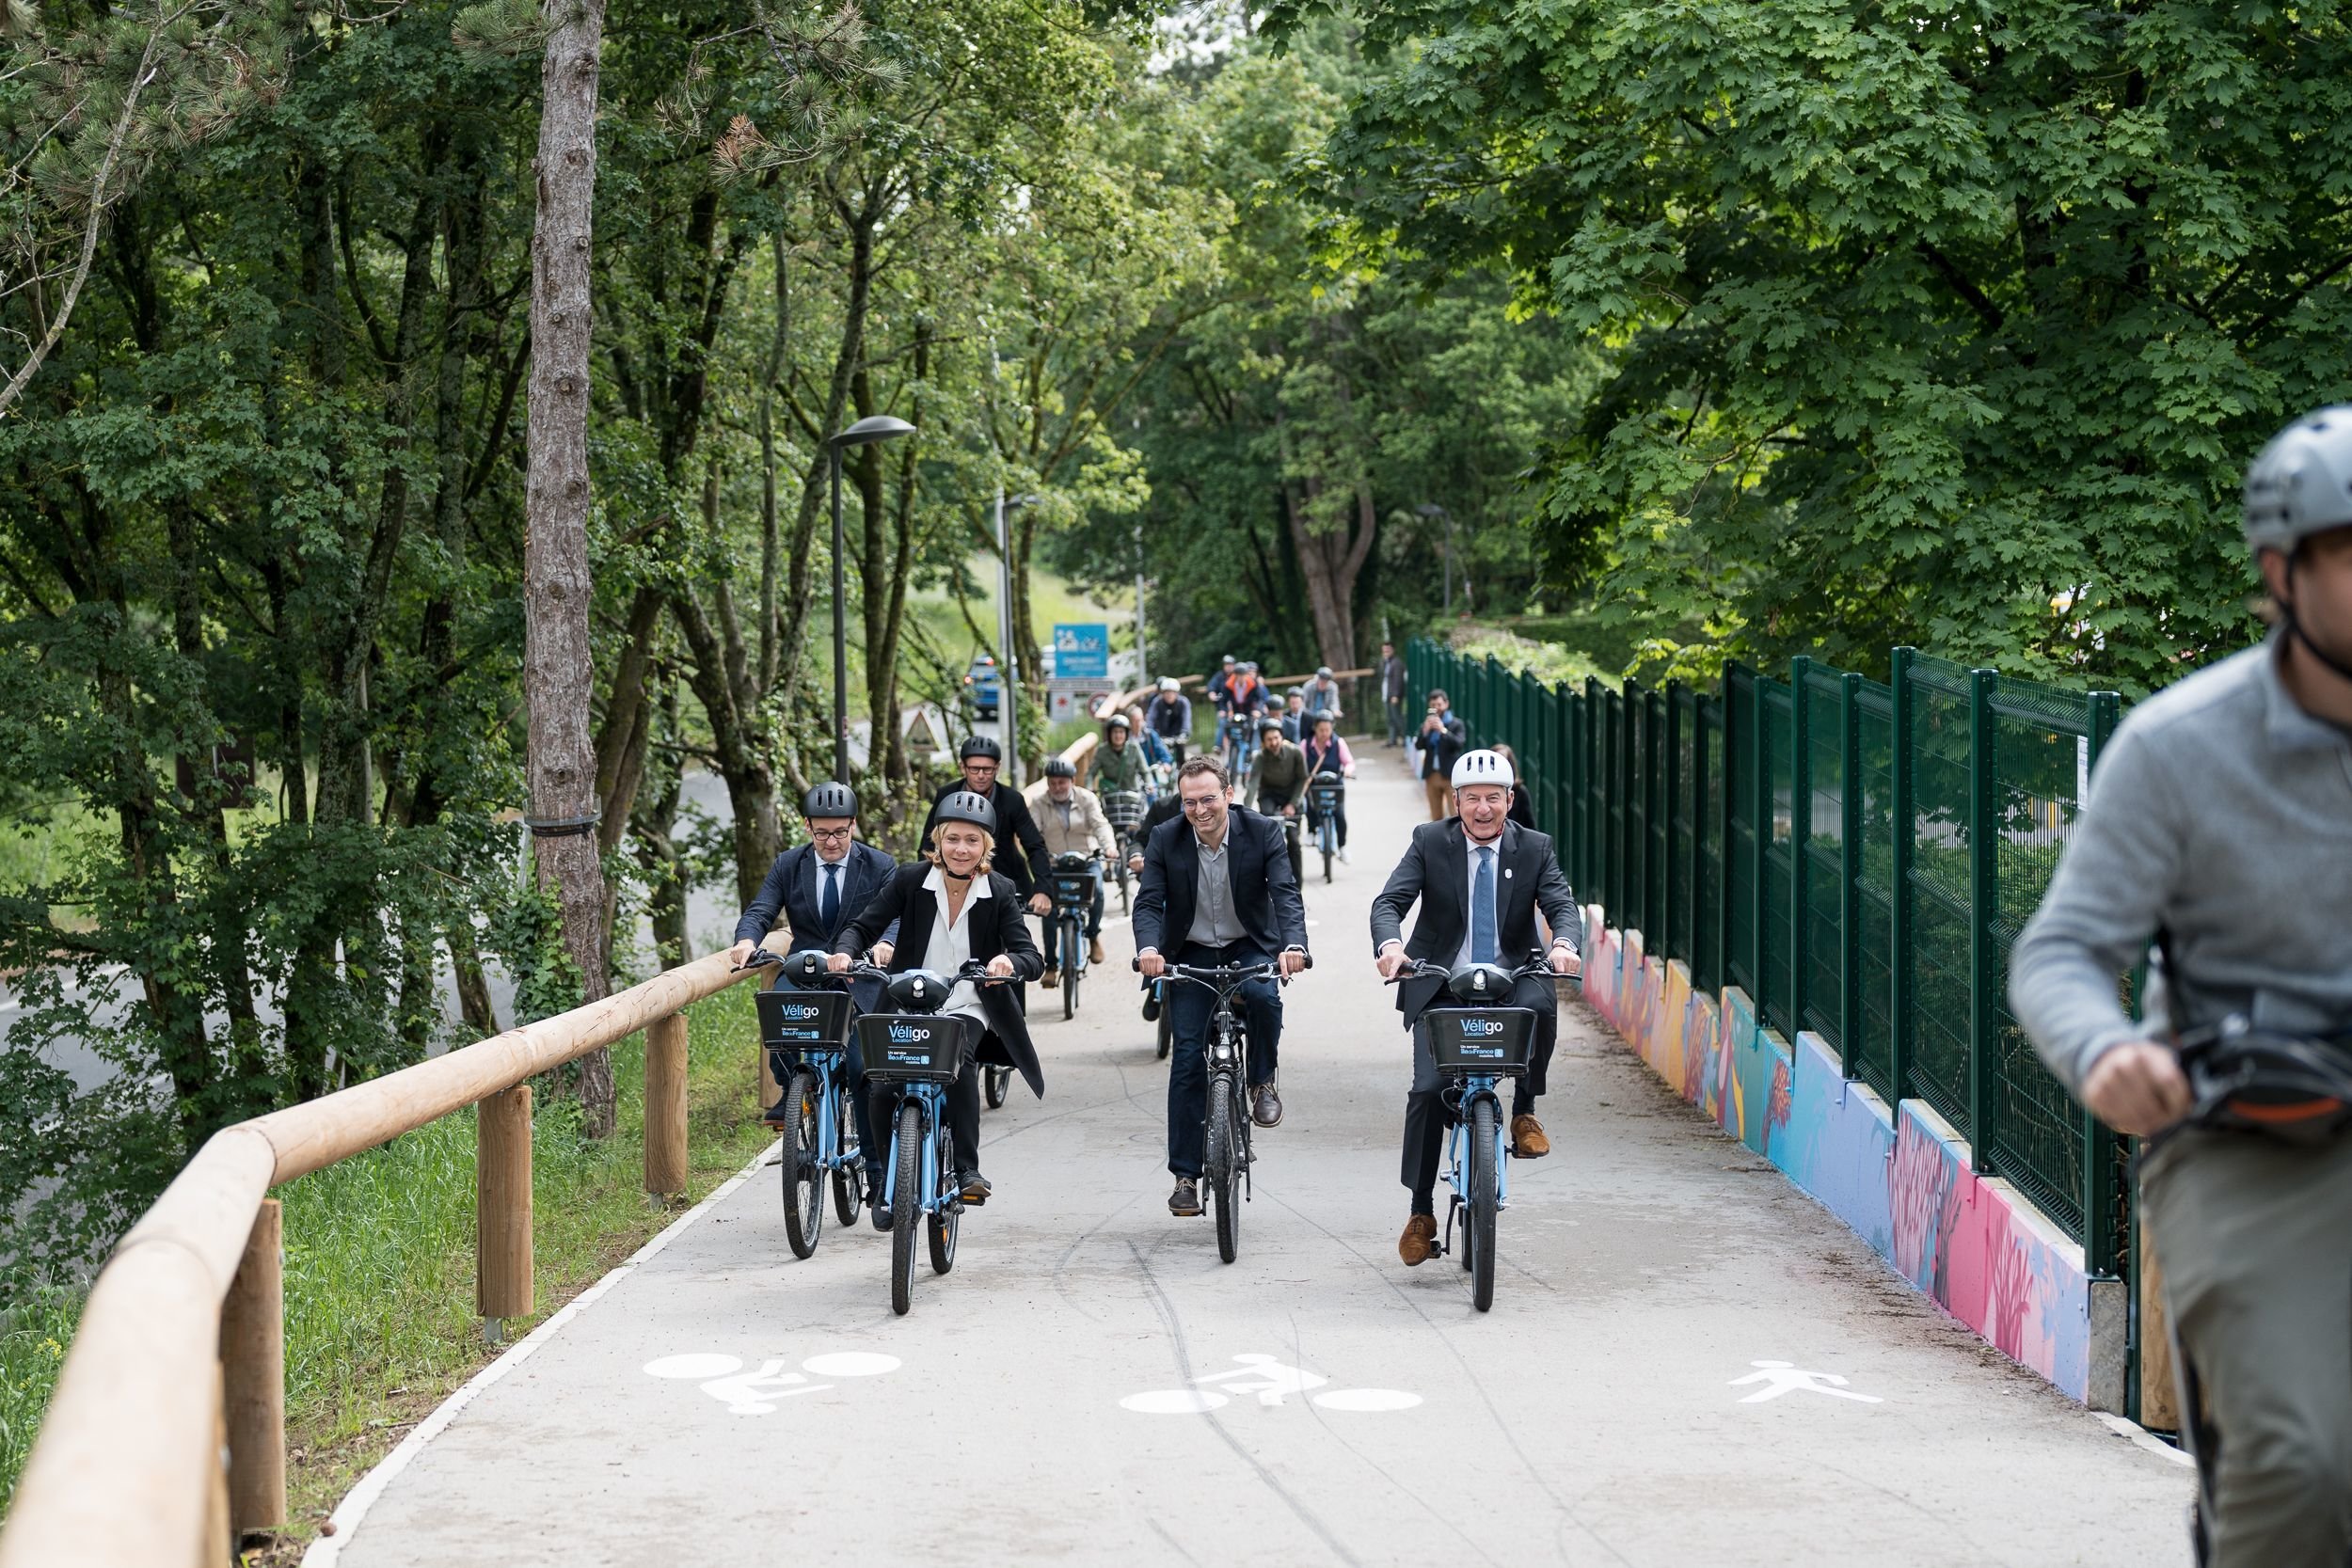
column 1189, row 1007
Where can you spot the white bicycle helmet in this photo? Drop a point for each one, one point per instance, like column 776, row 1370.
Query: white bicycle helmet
column 2301, row 483
column 1481, row 767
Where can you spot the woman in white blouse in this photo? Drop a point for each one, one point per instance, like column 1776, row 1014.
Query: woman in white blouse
column 952, row 907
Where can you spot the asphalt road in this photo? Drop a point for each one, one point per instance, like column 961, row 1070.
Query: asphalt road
column 1090, row 1384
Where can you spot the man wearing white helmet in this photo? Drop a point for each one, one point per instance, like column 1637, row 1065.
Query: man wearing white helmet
column 2219, row 828
column 1169, row 717
column 1481, row 881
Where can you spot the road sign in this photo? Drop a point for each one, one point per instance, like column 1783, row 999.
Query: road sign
column 920, row 741
column 1082, row 651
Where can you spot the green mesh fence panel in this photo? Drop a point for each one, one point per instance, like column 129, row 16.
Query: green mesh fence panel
column 1825, row 857
column 1682, row 824
column 2041, row 759
column 1740, row 767
column 1872, row 864
column 1943, row 993
column 1635, row 775
column 1778, row 734
column 1707, row 905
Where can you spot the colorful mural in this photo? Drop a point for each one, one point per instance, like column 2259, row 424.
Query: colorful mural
column 1901, row 1181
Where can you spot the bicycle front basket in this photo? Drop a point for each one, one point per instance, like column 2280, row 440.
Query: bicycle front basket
column 905, row 1048
column 1075, row 891
column 804, row 1019
column 1123, row 808
column 1495, row 1040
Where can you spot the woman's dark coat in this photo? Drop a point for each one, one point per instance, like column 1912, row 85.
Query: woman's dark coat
column 996, row 927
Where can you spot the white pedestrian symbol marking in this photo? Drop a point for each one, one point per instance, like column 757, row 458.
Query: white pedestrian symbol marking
column 1785, row 1377
column 758, row 1393
column 1272, row 1381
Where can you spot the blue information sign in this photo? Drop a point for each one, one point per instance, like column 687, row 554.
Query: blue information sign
column 1081, row 651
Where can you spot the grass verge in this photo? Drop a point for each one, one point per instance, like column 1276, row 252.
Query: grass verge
column 379, row 1264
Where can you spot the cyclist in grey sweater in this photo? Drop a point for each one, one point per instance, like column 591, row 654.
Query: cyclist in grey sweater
column 2221, row 816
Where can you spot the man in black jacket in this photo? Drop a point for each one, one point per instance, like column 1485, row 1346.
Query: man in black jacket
column 819, row 887
column 1020, row 845
column 1217, row 889
column 1480, row 879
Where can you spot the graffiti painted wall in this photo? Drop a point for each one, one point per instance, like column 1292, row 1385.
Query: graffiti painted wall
column 1900, row 1182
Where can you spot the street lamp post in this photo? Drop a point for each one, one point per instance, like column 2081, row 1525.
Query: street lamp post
column 879, row 427
column 1009, row 661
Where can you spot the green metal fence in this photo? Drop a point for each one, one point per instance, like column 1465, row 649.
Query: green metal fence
column 1857, row 856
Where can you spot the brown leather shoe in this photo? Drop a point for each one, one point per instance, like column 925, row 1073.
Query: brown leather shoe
column 1051, row 980
column 1421, row 1235
column 1527, row 1138
column 1094, row 950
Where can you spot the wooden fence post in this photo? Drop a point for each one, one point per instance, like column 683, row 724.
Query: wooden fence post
column 220, row 1540
column 665, row 1105
column 501, row 1196
column 253, row 1376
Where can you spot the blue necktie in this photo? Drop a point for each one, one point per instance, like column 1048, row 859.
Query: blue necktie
column 829, row 906
column 1483, row 908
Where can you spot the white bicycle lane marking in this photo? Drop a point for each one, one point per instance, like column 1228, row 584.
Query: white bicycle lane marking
column 1273, row 1382
column 758, row 1393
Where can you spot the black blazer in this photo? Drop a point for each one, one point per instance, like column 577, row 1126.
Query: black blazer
column 1017, row 835
column 791, row 889
column 1258, row 863
column 1436, row 871
column 996, row 927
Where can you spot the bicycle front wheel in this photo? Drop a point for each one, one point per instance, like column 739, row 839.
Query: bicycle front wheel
column 905, row 1205
column 804, row 1178
column 849, row 1181
column 1168, row 1028
column 1070, row 973
column 1478, row 1228
column 1224, row 1166
column 948, row 1217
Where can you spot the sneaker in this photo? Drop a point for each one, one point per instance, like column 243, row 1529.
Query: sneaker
column 1094, row 950
column 1051, row 978
column 775, row 1116
column 1265, row 1107
column 1342, row 854
column 881, row 1205
column 975, row 1187
column 1185, row 1202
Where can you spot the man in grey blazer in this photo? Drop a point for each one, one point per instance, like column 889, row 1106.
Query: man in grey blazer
column 1480, row 879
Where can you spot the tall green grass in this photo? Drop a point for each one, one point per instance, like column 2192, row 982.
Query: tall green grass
column 379, row 1258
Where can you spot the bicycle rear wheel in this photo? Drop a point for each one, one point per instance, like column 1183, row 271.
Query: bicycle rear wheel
column 1478, row 1228
column 905, row 1204
column 995, row 1081
column 948, row 1217
column 803, row 1179
column 1223, row 1166
column 1070, row 971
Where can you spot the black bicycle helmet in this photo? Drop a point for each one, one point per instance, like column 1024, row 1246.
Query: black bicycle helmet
column 1118, row 722
column 1060, row 768
column 1269, row 726
column 964, row 807
column 830, row 798
column 979, row 745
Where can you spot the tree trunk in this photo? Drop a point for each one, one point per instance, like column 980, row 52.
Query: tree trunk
column 558, row 669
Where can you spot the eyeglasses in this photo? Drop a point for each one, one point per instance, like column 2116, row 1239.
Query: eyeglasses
column 1199, row 803
column 830, row 835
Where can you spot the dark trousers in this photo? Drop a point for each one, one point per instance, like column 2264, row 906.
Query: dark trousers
column 783, row 1063
column 963, row 1114
column 1396, row 718
column 1189, row 1007
column 1339, row 818
column 1425, row 1116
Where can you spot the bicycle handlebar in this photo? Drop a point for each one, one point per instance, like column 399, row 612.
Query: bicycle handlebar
column 1539, row 963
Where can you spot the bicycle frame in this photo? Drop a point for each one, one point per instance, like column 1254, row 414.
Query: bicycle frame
column 1474, row 1088
column 936, row 1194
column 828, row 1063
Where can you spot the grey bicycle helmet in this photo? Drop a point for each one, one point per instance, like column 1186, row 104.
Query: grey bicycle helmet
column 830, row 798
column 1321, row 716
column 1323, row 671
column 1060, row 768
column 2301, row 482
column 1118, row 722
column 979, row 745
column 964, row 807
column 1269, row 726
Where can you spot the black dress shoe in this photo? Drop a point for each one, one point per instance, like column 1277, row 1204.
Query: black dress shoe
column 1185, row 1202
column 881, row 1207
column 1267, row 1105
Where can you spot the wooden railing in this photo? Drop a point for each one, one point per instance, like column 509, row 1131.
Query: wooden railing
column 164, row 1439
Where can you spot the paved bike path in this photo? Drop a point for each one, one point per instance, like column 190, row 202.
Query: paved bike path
column 722, row 1404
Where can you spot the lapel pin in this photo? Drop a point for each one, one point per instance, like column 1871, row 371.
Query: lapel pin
column 1506, row 872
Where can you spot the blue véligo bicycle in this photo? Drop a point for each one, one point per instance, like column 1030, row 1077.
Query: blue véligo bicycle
column 1477, row 1044
column 818, row 1127
column 910, row 1048
column 1074, row 878
column 1325, row 791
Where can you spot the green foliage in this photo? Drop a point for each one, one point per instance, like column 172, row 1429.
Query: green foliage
column 1952, row 325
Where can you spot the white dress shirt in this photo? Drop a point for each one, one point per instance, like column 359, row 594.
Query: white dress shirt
column 950, row 946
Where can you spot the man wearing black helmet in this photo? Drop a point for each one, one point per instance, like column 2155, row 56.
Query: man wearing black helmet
column 1020, row 853
column 818, row 887
column 2219, row 829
